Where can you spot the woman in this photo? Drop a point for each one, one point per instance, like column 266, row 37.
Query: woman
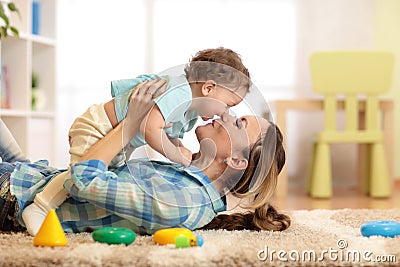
column 147, row 196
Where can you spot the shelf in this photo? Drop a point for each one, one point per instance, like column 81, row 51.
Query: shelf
column 34, row 130
column 37, row 39
column 13, row 113
column 28, row 114
column 42, row 114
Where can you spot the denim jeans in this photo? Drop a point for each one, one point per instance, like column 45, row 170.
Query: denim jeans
column 9, row 149
column 8, row 203
column 10, row 152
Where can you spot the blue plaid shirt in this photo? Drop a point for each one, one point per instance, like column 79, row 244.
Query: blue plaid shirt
column 143, row 195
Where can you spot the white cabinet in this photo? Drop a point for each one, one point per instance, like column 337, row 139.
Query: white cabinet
column 34, row 128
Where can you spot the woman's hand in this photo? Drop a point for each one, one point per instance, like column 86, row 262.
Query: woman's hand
column 139, row 106
column 141, row 102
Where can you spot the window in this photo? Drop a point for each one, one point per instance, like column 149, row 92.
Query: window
column 263, row 32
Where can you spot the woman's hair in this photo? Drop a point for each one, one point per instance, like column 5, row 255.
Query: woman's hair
column 258, row 184
column 222, row 65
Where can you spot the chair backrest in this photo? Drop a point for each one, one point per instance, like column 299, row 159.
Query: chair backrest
column 352, row 71
column 350, row 74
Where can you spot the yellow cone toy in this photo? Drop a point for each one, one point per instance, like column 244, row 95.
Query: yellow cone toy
column 50, row 233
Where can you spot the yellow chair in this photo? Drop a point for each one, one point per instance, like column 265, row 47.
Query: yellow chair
column 349, row 75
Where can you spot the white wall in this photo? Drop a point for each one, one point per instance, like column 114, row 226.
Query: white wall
column 325, row 25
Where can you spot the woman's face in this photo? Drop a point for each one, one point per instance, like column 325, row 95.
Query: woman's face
column 230, row 134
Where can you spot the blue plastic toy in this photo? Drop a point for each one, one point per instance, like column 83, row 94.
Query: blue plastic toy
column 383, row 228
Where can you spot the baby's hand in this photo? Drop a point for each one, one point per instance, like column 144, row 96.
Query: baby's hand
column 185, row 156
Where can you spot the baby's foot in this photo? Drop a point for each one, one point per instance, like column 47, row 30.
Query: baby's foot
column 33, row 217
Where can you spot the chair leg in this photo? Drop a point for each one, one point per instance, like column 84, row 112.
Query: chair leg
column 311, row 169
column 379, row 177
column 321, row 179
column 364, row 163
column 367, row 168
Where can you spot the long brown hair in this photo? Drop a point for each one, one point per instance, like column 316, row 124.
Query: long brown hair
column 258, row 184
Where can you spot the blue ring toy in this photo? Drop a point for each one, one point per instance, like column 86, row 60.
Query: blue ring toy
column 383, row 228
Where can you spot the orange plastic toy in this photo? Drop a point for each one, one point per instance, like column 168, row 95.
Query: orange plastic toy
column 181, row 237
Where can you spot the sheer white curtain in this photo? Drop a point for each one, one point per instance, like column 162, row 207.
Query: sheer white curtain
column 263, row 32
column 98, row 41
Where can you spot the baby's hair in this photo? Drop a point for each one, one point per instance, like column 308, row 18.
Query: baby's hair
column 222, row 65
column 258, row 184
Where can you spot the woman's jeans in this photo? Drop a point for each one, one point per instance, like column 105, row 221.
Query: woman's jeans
column 9, row 149
column 10, row 152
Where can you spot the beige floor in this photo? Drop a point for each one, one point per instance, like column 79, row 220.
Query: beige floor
column 342, row 198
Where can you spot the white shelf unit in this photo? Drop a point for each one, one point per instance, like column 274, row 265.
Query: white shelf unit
column 34, row 130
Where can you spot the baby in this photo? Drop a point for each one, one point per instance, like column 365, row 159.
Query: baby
column 217, row 75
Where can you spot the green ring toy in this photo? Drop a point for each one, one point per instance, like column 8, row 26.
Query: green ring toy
column 114, row 235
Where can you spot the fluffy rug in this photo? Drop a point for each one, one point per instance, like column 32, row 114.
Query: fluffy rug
column 317, row 237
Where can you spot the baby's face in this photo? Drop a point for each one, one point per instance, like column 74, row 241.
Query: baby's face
column 220, row 101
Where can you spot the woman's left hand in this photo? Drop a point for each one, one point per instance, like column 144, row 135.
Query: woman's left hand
column 140, row 104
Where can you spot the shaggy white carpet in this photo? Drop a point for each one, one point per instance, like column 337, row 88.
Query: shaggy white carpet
column 317, row 237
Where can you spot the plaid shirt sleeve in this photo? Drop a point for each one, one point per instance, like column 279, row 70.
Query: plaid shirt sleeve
column 150, row 204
